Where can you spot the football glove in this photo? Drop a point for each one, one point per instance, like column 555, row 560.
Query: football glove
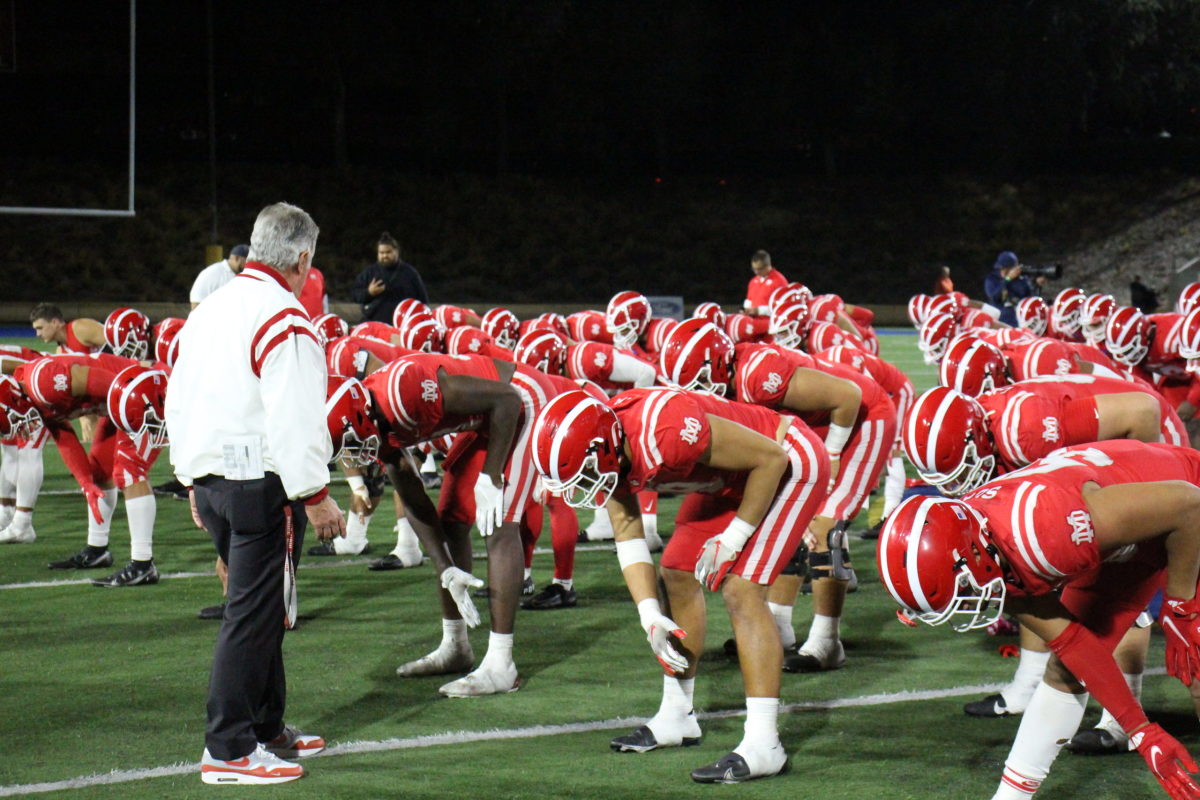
column 658, row 634
column 94, row 494
column 1180, row 622
column 1168, row 760
column 716, row 559
column 459, row 584
column 489, row 505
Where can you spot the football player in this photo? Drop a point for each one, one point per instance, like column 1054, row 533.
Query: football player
column 65, row 387
column 1074, row 545
column 754, row 478
column 21, row 466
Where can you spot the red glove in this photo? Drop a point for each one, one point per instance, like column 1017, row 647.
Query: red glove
column 1168, row 760
column 94, row 493
column 1180, row 622
column 1009, row 651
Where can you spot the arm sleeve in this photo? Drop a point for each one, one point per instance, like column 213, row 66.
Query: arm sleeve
column 1089, row 661
column 627, row 369
column 292, row 387
column 72, row 453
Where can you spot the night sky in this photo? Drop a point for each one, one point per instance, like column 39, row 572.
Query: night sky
column 543, row 86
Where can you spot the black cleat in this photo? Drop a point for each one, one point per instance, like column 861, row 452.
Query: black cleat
column 732, row 768
column 330, row 549
column 641, row 740
column 989, row 707
column 431, row 480
column 872, row 533
column 212, row 612
column 1097, row 742
column 135, row 573
column 553, row 596
column 87, row 558
column 527, row 588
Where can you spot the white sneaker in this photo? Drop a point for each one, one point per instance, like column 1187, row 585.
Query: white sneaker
column 484, row 681
column 442, row 661
column 261, row 766
column 11, row 535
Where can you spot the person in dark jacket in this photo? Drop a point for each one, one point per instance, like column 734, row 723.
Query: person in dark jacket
column 1005, row 286
column 380, row 287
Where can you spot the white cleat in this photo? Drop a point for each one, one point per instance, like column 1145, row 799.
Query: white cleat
column 11, row 535
column 484, row 681
column 447, row 659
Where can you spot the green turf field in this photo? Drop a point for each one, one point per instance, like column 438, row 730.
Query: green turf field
column 97, row 680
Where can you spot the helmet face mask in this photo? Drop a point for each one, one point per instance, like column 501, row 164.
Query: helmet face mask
column 972, row 472
column 627, row 316
column 155, row 428
column 589, row 488
column 980, row 605
column 361, row 452
column 25, row 424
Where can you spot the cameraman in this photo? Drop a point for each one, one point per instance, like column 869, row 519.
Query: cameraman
column 1006, row 286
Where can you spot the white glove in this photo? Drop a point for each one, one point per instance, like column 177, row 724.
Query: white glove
column 539, row 491
column 716, row 557
column 459, row 584
column 489, row 505
column 659, row 630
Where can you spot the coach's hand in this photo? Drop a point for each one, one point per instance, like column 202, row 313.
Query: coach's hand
column 326, row 519
column 199, row 523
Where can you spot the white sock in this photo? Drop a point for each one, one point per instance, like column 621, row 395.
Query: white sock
column 140, row 513
column 528, row 573
column 566, row 583
column 6, row 516
column 29, row 475
column 1107, row 721
column 783, row 621
column 21, row 521
column 1030, row 668
column 824, row 629
column 454, row 633
column 761, row 730
column 406, row 537
column 676, row 697
column 1049, row 721
column 429, row 465
column 8, row 474
column 650, row 527
column 98, row 531
column 893, row 485
column 499, row 652
column 356, row 532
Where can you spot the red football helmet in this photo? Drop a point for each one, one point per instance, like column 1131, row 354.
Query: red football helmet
column 1043, row 357
column 18, row 417
column 657, row 332
column 577, row 449
column 849, row 355
column 549, row 321
column 826, row 308
column 1127, row 336
column 946, row 439
column 627, row 316
column 790, row 323
column 405, row 307
column 329, row 327
column 166, row 340
column 466, row 341
column 136, row 398
column 588, row 326
column 698, row 356
column 1189, row 339
column 824, row 335
column 127, row 333
column 740, row 328
column 1065, row 311
column 918, row 308
column 346, row 356
column 1189, row 297
column 803, row 293
column 423, row 333
column 934, row 336
column 452, row 317
column 782, row 294
column 1033, row 314
column 503, row 326
column 354, row 434
column 935, row 559
column 710, row 312
column 972, row 366
column 1093, row 316
column 943, row 304
column 544, row 350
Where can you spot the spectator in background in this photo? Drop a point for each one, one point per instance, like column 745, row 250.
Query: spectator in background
column 1142, row 297
column 381, row 286
column 942, row 283
column 313, row 297
column 218, row 273
column 766, row 280
column 1005, row 286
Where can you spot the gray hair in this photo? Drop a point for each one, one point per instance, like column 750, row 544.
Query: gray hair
column 281, row 233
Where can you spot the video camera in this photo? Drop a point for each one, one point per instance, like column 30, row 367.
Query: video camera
column 1051, row 271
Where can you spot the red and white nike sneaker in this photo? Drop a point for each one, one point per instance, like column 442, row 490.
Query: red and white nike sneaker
column 291, row 743
column 261, row 766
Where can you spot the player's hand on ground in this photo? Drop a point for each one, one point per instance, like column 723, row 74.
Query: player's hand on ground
column 326, row 519
column 459, row 584
column 1180, row 623
column 1168, row 760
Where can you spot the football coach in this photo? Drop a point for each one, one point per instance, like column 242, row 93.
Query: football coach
column 245, row 411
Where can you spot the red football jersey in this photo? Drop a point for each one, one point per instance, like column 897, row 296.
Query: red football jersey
column 758, row 291
column 407, row 394
column 379, row 331
column 888, row 376
column 73, row 345
column 589, row 326
column 1164, row 358
column 1038, row 520
column 13, row 354
column 47, row 382
column 468, row 341
column 667, row 432
column 592, row 361
column 455, row 316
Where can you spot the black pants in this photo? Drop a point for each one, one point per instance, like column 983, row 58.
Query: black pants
column 247, row 689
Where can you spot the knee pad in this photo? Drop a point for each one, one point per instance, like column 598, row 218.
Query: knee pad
column 798, row 564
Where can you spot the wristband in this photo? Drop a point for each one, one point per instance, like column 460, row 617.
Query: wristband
column 318, row 497
column 737, row 533
column 633, row 551
column 648, row 612
column 836, row 438
column 356, row 483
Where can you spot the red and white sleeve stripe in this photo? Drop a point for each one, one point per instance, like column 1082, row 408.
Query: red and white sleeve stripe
column 275, row 331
